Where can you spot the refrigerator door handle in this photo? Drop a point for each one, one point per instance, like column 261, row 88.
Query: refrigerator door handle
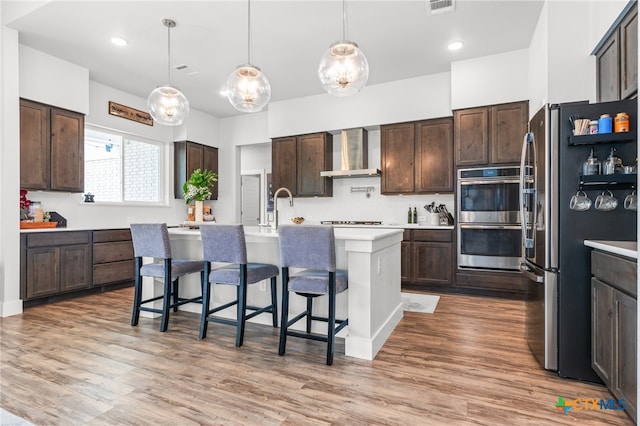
column 530, row 274
column 527, row 242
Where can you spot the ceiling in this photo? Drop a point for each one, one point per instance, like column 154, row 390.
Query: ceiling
column 401, row 40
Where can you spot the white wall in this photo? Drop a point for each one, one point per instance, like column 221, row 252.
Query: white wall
column 602, row 15
column 539, row 63
column 490, row 80
column 47, row 79
column 10, row 303
column 394, row 102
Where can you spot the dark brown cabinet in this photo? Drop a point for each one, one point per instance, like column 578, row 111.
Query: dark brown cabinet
column 427, row 258
column 189, row 156
column 417, row 157
column 614, row 325
column 297, row 162
column 490, row 134
column 112, row 257
column 617, row 61
column 54, row 262
column 51, row 148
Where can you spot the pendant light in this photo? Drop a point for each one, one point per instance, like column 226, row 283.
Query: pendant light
column 166, row 104
column 343, row 69
column 248, row 89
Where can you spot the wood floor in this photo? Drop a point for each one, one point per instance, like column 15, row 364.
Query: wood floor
column 79, row 362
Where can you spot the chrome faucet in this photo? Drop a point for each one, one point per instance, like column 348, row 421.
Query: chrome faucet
column 274, row 225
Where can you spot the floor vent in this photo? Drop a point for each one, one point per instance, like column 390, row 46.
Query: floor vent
column 440, row 6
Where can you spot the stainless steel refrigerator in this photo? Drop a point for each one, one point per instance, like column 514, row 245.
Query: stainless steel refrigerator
column 555, row 260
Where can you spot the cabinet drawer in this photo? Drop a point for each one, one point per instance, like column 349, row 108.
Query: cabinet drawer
column 444, row 236
column 113, row 272
column 111, row 235
column 112, row 252
column 57, row 238
column 406, row 235
column 615, row 271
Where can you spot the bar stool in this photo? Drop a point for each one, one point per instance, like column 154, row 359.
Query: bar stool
column 152, row 240
column 312, row 247
column 227, row 244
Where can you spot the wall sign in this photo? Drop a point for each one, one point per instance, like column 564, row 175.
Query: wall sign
column 130, row 113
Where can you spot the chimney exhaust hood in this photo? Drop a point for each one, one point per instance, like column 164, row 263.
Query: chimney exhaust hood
column 354, row 147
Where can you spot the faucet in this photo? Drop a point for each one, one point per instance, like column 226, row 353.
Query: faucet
column 274, row 225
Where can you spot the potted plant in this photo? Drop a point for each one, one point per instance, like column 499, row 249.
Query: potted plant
column 198, row 189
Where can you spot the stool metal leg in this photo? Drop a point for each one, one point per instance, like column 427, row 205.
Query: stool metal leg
column 176, row 292
column 166, row 300
column 206, row 288
column 284, row 316
column 242, row 304
column 274, row 302
column 137, row 296
column 332, row 317
column 309, row 312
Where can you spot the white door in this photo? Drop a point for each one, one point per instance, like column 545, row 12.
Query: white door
column 250, row 212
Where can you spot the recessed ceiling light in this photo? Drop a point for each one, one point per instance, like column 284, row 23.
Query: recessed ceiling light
column 119, row 41
column 455, row 45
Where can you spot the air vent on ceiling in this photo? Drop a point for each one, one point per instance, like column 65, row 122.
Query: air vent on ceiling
column 440, row 6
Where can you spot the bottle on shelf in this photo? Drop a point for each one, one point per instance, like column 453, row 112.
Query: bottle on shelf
column 591, row 166
column 409, row 216
column 415, row 215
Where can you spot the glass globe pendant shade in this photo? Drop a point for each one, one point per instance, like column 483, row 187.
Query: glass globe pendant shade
column 343, row 69
column 168, row 106
column 248, row 89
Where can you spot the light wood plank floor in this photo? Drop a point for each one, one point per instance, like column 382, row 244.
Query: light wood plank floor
column 79, row 362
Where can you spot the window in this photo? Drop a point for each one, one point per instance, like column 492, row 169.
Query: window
column 122, row 168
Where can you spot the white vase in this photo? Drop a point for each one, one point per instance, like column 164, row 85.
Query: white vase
column 199, row 211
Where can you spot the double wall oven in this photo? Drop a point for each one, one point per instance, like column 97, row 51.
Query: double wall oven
column 489, row 230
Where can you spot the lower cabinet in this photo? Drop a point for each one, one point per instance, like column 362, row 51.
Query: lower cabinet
column 55, row 263
column 61, row 263
column 112, row 257
column 614, row 326
column 427, row 257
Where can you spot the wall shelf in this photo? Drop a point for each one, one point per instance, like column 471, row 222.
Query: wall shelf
column 602, row 138
column 600, row 181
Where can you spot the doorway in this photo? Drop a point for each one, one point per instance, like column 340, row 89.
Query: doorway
column 251, row 202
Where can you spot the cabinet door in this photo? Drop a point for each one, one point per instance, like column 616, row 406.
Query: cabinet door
column 471, row 134
column 625, row 350
column 34, row 145
column 67, row 151
column 42, row 272
column 434, row 156
column 607, row 66
column 405, row 261
column 75, row 267
column 508, row 126
column 601, row 330
column 314, row 154
column 283, row 164
column 210, row 162
column 397, row 152
column 432, row 262
column 629, row 54
column 194, row 158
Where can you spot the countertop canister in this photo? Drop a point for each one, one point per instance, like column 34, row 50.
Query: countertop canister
column 604, row 124
column 621, row 122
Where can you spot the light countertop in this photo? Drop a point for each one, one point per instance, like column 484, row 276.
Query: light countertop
column 362, row 233
column 622, row 248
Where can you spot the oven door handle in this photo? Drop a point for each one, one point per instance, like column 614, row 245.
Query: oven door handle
column 474, row 226
column 487, row 182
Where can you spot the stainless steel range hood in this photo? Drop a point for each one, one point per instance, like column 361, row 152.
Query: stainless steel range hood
column 354, row 146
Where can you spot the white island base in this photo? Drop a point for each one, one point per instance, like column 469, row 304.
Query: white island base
column 372, row 302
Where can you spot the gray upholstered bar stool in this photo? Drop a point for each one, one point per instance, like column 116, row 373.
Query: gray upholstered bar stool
column 227, row 244
column 152, row 240
column 312, row 247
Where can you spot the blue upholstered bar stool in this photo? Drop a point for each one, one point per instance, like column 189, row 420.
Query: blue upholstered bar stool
column 152, row 240
column 227, row 244
column 312, row 247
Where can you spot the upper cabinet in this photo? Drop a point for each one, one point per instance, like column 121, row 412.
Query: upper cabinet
column 617, row 61
column 417, row 157
column 297, row 162
column 490, row 134
column 51, row 148
column 189, row 156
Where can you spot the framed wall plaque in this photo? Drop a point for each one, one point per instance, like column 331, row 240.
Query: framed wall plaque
column 130, row 113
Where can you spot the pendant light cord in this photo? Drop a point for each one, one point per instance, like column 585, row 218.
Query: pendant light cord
column 344, row 19
column 249, row 31
column 169, row 52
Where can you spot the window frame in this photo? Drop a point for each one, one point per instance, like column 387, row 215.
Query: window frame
column 163, row 167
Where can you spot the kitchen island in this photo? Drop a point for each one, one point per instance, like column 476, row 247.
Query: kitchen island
column 372, row 302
